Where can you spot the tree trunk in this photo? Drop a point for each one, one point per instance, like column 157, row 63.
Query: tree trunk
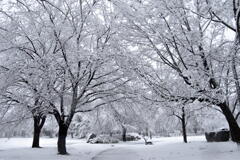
column 233, row 125
column 124, row 131
column 36, row 137
column 184, row 133
column 38, row 124
column 62, row 134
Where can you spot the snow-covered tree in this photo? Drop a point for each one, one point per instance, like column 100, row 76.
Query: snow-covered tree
column 175, row 35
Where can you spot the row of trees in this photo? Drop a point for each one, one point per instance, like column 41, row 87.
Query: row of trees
column 65, row 57
column 189, row 41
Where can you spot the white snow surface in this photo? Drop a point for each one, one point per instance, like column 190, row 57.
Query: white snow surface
column 171, row 148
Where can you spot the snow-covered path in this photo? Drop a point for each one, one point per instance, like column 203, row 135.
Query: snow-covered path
column 117, row 154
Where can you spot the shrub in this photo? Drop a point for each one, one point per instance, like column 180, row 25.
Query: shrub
column 219, row 136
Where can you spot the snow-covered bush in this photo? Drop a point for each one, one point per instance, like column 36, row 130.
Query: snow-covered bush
column 103, row 139
column 90, row 137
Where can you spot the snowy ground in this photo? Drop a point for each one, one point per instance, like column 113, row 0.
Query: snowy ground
column 163, row 149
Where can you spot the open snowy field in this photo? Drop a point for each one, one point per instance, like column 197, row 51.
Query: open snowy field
column 170, row 148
